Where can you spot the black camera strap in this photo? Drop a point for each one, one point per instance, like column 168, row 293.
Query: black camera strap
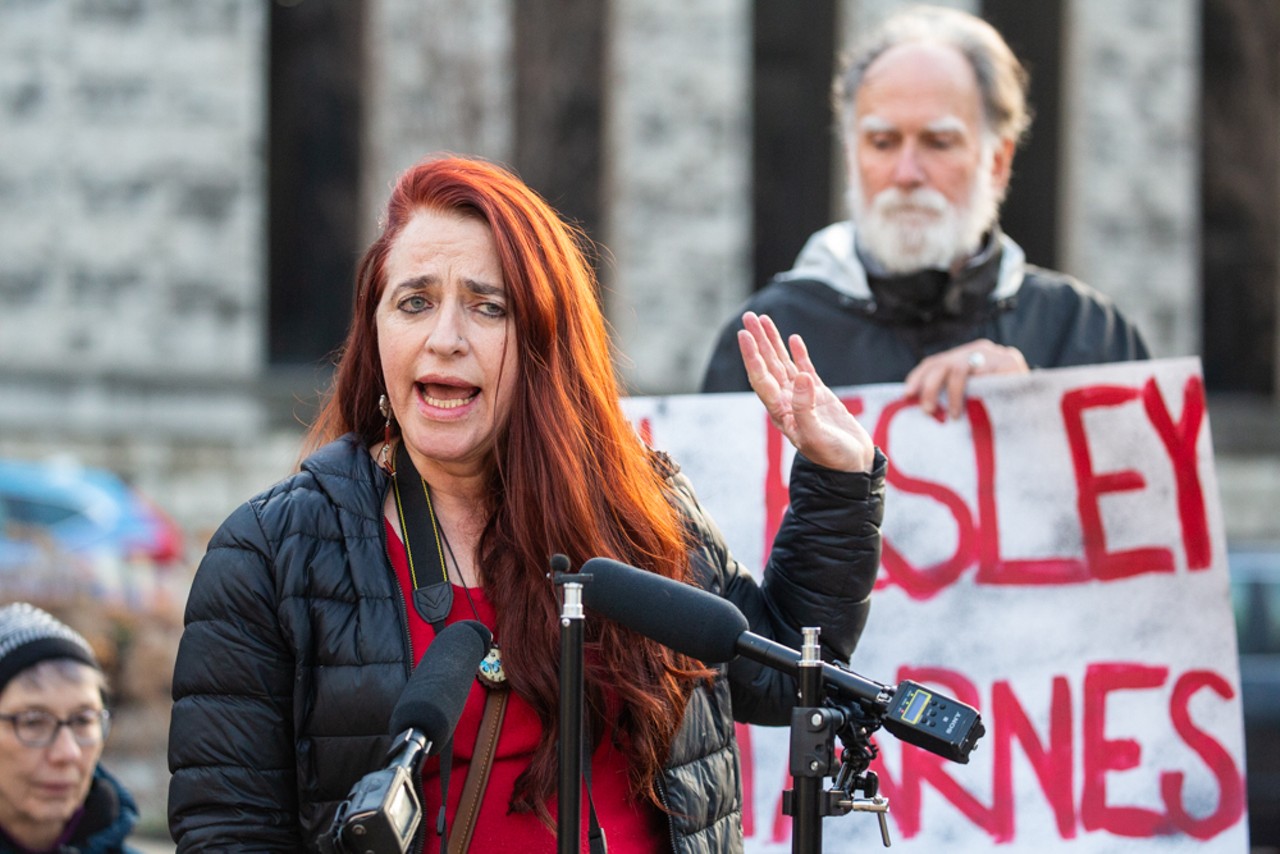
column 432, row 592
column 433, row 600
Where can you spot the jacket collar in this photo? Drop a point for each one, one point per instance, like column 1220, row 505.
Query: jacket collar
column 829, row 256
column 110, row 814
column 346, row 472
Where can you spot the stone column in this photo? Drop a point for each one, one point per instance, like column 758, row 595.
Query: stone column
column 131, row 214
column 858, row 16
column 440, row 79
column 1130, row 200
column 678, row 148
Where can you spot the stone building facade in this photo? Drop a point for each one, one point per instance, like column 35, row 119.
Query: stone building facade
column 134, row 209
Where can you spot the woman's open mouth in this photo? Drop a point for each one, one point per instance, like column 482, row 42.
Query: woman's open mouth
column 446, row 396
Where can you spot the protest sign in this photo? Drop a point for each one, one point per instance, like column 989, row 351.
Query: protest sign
column 1056, row 559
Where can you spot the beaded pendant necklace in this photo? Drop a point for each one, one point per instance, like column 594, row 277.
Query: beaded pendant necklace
column 491, row 672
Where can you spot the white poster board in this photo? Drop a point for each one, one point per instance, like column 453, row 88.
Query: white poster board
column 1056, row 559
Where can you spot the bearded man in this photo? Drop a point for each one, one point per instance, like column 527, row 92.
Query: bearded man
column 921, row 285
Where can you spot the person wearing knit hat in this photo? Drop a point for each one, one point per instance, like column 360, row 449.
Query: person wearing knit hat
column 54, row 794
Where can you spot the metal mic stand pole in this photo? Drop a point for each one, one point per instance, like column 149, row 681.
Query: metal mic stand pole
column 569, row 814
column 806, row 828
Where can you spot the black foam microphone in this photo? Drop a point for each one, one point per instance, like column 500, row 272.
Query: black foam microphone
column 688, row 619
column 383, row 810
column 711, row 629
column 700, row 624
column 433, row 698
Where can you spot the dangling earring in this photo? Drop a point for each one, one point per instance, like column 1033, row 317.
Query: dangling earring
column 384, row 456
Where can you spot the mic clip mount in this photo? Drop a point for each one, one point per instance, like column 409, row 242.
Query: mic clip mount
column 814, row 731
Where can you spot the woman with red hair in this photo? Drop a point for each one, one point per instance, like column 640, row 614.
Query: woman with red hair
column 473, row 430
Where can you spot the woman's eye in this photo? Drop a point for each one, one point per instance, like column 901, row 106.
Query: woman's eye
column 414, row 304
column 493, row 309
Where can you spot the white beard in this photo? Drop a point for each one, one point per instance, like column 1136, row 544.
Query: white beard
column 920, row 229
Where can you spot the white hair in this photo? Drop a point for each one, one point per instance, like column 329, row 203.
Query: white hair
column 1002, row 80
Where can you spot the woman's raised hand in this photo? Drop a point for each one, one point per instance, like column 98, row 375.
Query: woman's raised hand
column 799, row 403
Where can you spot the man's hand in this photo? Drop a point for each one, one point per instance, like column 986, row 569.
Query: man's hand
column 949, row 372
column 800, row 405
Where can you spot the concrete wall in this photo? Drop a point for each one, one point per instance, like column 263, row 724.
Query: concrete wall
column 437, row 81
column 1130, row 200
column 678, row 149
column 131, row 214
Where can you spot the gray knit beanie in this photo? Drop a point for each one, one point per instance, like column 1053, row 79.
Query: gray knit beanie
column 29, row 636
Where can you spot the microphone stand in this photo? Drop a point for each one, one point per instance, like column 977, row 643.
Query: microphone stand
column 814, row 729
column 569, row 807
column 807, row 773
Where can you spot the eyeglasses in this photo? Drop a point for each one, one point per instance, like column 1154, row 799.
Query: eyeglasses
column 37, row 728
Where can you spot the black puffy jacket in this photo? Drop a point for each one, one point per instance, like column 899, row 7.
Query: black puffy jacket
column 860, row 332
column 296, row 649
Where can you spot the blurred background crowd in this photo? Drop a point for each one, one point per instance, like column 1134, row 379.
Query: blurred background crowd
column 184, row 189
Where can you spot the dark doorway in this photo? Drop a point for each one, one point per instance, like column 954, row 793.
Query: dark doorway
column 793, row 136
column 1240, row 163
column 559, row 55
column 313, row 164
column 1030, row 211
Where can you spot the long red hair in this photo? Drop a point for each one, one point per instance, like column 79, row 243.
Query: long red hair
column 569, row 473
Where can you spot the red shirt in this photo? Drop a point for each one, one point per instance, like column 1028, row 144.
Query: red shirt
column 629, row 827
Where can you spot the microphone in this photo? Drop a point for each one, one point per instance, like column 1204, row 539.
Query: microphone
column 711, row 629
column 383, row 810
column 433, row 698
